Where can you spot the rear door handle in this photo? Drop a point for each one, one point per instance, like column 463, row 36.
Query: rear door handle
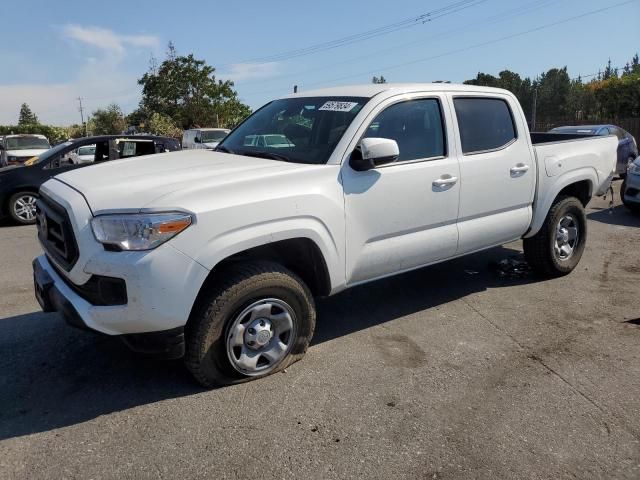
column 519, row 169
column 445, row 181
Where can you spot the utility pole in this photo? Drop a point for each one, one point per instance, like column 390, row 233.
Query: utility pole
column 84, row 127
column 533, row 109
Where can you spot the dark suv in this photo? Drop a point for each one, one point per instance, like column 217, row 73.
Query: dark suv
column 19, row 184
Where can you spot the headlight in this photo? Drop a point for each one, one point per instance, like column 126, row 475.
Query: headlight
column 634, row 168
column 139, row 231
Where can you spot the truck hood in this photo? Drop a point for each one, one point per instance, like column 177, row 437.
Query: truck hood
column 138, row 183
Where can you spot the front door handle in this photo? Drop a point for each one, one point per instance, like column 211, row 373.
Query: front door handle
column 445, row 181
column 519, row 169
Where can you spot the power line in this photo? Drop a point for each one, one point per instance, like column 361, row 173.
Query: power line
column 366, row 35
column 478, row 45
column 523, row 9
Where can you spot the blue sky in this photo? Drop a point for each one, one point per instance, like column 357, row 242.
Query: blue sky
column 53, row 52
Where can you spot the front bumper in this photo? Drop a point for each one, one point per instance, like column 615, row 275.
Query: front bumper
column 632, row 189
column 54, row 295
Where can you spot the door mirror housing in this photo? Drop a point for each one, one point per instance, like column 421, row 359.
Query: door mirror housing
column 197, row 140
column 374, row 152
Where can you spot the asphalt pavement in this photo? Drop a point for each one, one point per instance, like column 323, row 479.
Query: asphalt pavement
column 460, row 370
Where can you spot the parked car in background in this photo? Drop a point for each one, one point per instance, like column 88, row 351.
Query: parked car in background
column 276, row 140
column 375, row 180
column 203, row 137
column 627, row 146
column 630, row 189
column 84, row 154
column 19, row 148
column 19, row 184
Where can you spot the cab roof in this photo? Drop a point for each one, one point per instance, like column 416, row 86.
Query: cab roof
column 372, row 89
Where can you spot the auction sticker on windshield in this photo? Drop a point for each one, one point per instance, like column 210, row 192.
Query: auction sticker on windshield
column 334, row 106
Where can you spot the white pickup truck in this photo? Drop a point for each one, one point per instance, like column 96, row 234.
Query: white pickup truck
column 217, row 255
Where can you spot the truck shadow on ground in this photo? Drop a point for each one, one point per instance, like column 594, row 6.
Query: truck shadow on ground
column 618, row 215
column 53, row 376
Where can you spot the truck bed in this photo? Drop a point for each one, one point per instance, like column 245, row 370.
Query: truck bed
column 562, row 158
column 538, row 138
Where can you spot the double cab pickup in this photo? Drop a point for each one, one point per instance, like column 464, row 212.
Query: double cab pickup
column 217, row 256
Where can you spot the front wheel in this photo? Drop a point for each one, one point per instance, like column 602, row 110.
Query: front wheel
column 557, row 248
column 22, row 207
column 257, row 321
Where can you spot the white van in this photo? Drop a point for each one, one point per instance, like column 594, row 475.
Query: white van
column 203, row 137
column 19, row 148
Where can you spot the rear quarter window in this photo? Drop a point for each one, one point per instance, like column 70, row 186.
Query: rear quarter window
column 484, row 123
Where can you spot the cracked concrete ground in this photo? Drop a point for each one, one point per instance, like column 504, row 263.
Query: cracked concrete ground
column 448, row 372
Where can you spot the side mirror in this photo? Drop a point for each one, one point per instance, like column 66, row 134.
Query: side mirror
column 374, row 152
column 197, row 140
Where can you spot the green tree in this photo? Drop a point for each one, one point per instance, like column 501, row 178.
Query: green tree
column 521, row 88
column 160, row 124
column 609, row 71
column 27, row 117
column 75, row 131
column 617, row 97
column 108, row 121
column 186, row 90
column 379, row 79
column 553, row 91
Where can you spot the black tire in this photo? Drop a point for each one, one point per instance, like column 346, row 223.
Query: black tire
column 540, row 251
column 221, row 303
column 14, row 208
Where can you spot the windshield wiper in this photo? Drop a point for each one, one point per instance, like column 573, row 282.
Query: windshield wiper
column 222, row 148
column 270, row 155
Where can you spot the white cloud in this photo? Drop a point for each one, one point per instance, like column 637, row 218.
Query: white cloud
column 108, row 40
column 57, row 104
column 244, row 71
column 101, row 80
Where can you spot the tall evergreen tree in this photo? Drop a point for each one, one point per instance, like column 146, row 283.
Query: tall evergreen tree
column 27, row 117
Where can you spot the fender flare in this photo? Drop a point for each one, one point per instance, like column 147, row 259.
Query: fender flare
column 541, row 206
column 235, row 241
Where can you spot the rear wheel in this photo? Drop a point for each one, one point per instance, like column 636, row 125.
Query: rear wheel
column 557, row 248
column 22, row 207
column 258, row 321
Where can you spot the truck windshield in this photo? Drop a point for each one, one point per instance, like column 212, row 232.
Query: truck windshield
column 26, row 143
column 300, row 130
column 213, row 135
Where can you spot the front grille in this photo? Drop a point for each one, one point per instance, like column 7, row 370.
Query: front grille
column 55, row 232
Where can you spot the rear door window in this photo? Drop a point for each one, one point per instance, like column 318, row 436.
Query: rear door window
column 485, row 124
